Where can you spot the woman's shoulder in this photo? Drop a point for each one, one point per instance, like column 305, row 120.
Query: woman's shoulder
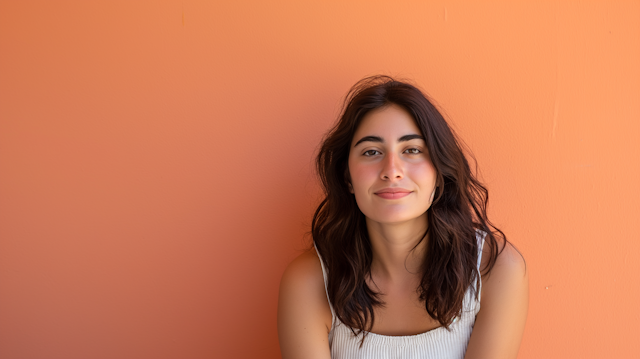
column 509, row 258
column 499, row 325
column 304, row 316
column 509, row 273
column 302, row 284
column 305, row 270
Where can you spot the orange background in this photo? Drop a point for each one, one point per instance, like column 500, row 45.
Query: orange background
column 156, row 161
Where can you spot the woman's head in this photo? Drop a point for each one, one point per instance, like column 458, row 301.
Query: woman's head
column 379, row 112
column 389, row 169
column 390, row 136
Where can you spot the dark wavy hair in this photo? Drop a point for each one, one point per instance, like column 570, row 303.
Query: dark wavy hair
column 459, row 206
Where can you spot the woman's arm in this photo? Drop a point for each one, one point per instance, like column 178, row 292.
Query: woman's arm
column 503, row 311
column 304, row 317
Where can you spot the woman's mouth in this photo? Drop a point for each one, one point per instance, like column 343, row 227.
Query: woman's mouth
column 393, row 193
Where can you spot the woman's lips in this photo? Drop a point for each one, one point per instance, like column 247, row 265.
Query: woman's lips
column 388, row 193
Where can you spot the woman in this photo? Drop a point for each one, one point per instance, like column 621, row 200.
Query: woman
column 406, row 263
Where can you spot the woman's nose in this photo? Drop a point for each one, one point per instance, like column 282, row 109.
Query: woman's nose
column 392, row 168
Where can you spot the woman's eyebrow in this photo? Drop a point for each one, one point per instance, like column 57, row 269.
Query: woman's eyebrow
column 410, row 137
column 369, row 139
column 379, row 139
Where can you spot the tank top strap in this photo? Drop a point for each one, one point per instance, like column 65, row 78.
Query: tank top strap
column 480, row 235
column 326, row 281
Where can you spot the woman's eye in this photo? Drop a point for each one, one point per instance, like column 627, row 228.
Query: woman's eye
column 413, row 151
column 370, row 153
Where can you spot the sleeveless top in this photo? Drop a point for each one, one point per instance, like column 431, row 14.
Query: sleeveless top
column 437, row 343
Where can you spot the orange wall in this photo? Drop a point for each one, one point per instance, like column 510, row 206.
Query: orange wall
column 156, row 161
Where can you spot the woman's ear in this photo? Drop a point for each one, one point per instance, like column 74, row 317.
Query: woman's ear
column 350, row 187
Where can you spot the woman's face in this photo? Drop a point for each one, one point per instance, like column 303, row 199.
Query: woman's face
column 392, row 176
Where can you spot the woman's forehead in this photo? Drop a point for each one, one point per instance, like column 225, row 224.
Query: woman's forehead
column 389, row 123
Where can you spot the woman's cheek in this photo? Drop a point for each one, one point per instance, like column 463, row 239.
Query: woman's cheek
column 423, row 172
column 362, row 177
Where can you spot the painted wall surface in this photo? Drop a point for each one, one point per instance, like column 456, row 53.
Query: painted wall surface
column 156, row 161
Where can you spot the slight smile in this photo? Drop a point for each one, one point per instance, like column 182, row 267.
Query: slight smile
column 393, row 193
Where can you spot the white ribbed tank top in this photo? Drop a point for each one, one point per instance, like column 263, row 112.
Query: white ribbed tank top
column 438, row 343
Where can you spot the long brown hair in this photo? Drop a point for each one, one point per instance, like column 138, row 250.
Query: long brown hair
column 339, row 229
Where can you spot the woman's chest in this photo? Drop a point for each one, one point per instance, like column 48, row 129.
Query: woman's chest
column 402, row 314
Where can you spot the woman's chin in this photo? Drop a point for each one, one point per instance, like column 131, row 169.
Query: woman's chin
column 394, row 218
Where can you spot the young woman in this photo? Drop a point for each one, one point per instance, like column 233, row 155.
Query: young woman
column 406, row 263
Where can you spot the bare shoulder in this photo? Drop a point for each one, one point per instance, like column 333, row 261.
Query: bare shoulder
column 303, row 279
column 303, row 269
column 504, row 302
column 304, row 317
column 508, row 278
column 510, row 262
column 508, row 275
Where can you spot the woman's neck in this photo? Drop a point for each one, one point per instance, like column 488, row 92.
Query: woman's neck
column 392, row 244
